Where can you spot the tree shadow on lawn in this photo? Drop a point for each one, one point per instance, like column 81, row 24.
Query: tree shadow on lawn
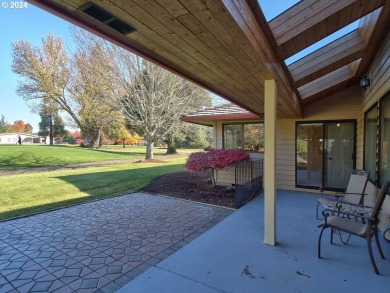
column 98, row 185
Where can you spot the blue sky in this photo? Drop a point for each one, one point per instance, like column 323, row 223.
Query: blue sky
column 32, row 24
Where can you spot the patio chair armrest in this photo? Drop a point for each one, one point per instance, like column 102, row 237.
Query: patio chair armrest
column 359, row 205
column 328, row 212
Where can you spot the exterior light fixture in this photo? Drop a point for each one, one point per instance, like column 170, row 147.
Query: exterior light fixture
column 364, row 82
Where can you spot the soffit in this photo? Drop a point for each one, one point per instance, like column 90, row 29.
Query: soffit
column 217, row 44
column 228, row 47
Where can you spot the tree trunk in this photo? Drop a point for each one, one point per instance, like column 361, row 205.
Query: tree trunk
column 213, row 177
column 170, row 144
column 149, row 149
column 123, row 143
column 51, row 129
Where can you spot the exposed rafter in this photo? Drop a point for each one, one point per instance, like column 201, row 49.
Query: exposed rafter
column 327, row 59
column 229, row 48
column 312, row 20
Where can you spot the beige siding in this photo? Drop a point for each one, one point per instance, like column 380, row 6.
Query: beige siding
column 285, row 154
column 343, row 105
column 379, row 75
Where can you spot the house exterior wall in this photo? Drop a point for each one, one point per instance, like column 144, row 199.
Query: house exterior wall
column 379, row 74
column 226, row 177
column 350, row 103
column 340, row 106
column 12, row 138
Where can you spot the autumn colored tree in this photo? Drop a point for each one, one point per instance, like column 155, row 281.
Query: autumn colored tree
column 214, row 160
column 28, row 128
column 18, row 126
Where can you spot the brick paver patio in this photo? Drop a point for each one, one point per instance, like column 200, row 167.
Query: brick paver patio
column 98, row 246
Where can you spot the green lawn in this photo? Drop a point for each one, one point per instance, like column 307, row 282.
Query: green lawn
column 30, row 156
column 30, row 193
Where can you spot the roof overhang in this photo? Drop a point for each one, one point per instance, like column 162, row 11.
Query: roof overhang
column 228, row 47
column 209, row 119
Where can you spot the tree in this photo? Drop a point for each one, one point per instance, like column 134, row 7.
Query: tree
column 52, row 83
column 185, row 134
column 124, row 136
column 4, row 125
column 214, row 160
column 92, row 86
column 18, row 126
column 153, row 98
column 51, row 124
column 28, row 128
column 45, row 75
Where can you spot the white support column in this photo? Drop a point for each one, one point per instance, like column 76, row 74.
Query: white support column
column 270, row 97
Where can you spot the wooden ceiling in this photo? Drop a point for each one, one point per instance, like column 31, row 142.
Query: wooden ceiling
column 227, row 46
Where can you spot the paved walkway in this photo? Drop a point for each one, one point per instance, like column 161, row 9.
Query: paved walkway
column 98, row 246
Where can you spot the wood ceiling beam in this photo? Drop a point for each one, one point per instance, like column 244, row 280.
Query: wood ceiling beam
column 312, row 20
column 327, row 59
column 373, row 30
column 326, row 82
column 250, row 24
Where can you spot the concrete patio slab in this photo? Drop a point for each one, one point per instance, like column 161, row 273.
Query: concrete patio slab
column 231, row 257
column 98, row 246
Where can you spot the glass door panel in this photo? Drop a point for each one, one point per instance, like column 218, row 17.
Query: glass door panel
column 339, row 154
column 309, row 155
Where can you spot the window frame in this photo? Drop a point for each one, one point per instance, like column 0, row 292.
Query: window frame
column 379, row 123
column 242, row 136
column 323, row 122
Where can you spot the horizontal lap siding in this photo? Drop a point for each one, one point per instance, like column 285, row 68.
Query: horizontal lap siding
column 343, row 105
column 285, row 154
column 379, row 74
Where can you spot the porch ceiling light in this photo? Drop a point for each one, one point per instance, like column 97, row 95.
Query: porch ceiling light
column 364, row 82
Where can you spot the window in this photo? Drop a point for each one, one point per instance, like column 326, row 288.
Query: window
column 243, row 136
column 377, row 141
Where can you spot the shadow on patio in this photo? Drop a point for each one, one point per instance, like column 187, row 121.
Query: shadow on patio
column 231, row 257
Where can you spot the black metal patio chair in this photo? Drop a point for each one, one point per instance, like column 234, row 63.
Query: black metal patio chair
column 367, row 228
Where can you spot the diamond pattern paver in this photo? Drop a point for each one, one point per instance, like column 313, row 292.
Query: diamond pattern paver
column 98, row 246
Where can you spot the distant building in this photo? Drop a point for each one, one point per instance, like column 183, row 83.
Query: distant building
column 12, row 138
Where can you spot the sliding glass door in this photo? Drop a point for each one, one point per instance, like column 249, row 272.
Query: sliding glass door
column 325, row 154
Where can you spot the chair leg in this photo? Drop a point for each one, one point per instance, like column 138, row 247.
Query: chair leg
column 370, row 253
column 331, row 235
column 318, row 205
column 319, row 242
column 378, row 244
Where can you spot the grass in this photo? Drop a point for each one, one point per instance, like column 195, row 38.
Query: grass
column 24, row 194
column 31, row 156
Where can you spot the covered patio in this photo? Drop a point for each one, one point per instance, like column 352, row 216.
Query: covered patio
column 229, row 48
column 232, row 49
column 231, row 257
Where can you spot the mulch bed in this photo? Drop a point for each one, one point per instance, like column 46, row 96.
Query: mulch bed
column 193, row 186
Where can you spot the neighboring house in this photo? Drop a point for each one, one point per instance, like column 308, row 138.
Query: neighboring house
column 12, row 138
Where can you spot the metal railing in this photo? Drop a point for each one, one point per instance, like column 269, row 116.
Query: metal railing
column 248, row 180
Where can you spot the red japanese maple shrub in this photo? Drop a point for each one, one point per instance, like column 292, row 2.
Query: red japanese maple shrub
column 214, row 160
